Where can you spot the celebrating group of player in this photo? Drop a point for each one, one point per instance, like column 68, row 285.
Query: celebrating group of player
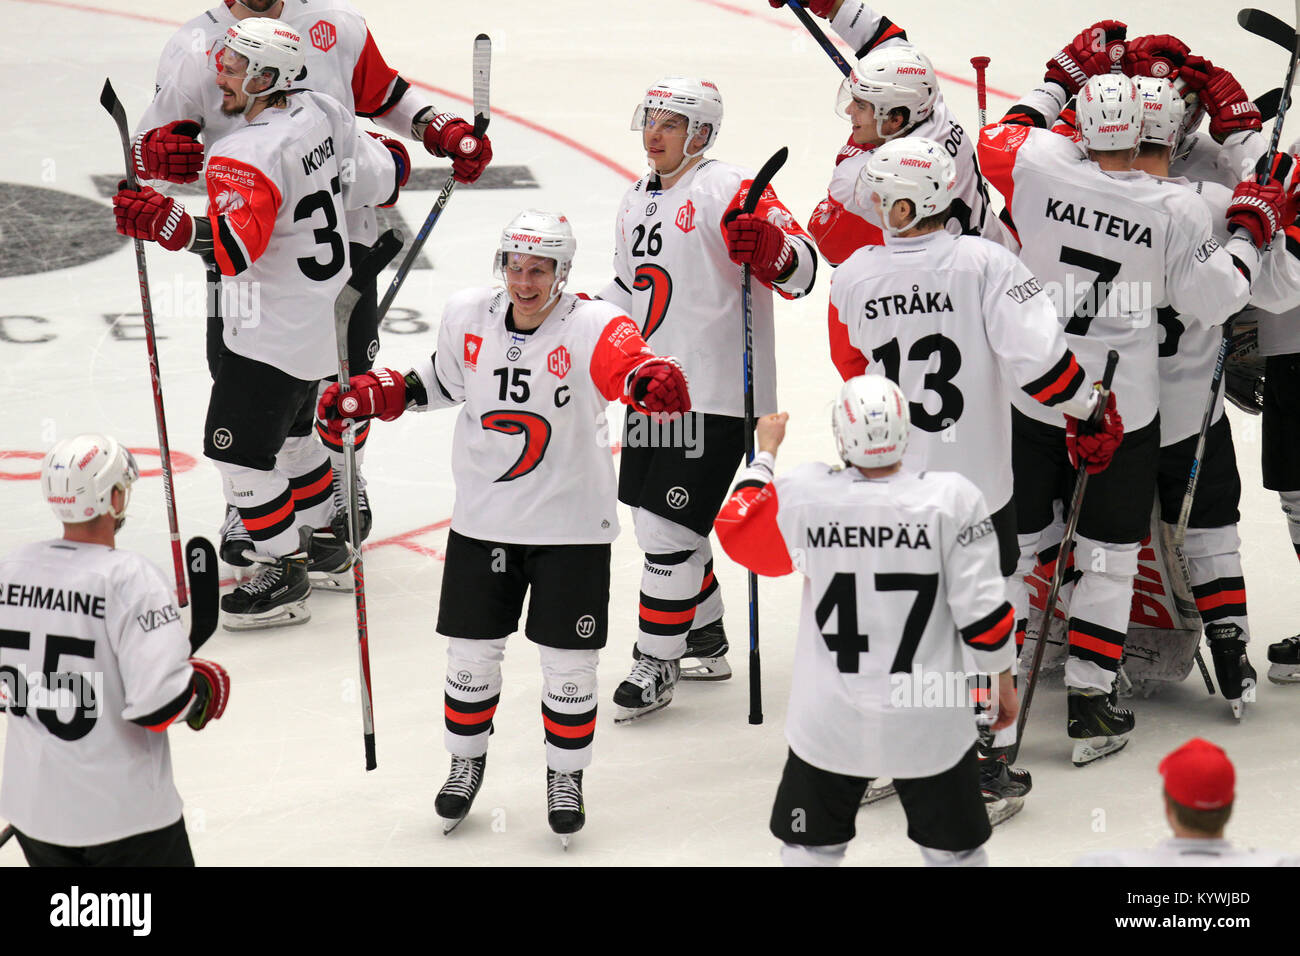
column 970, row 344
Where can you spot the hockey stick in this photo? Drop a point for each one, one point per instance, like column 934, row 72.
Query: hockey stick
column 363, row 273
column 817, row 34
column 756, row 190
column 482, row 64
column 981, row 63
column 6, row 835
column 1283, row 34
column 1063, row 554
column 205, row 590
column 108, row 99
column 1269, row 103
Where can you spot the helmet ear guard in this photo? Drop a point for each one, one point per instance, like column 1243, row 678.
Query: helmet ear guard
column 871, row 422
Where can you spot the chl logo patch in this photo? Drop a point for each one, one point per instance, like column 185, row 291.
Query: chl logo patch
column 473, row 345
column 585, row 628
column 686, row 217
column 323, row 36
column 559, row 362
column 677, row 498
column 221, row 438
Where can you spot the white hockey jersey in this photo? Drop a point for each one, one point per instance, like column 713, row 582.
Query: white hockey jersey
column 1109, row 248
column 901, row 580
column 532, row 454
column 673, row 276
column 276, row 195
column 1189, row 852
column 958, row 323
column 342, row 62
column 92, row 654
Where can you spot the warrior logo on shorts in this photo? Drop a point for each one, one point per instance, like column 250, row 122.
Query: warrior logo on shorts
column 322, row 35
column 677, row 498
column 585, row 627
column 559, row 362
column 221, row 438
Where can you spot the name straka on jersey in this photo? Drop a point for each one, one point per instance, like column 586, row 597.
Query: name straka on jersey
column 52, row 599
column 917, row 303
column 834, row 535
column 312, row 161
column 1118, row 227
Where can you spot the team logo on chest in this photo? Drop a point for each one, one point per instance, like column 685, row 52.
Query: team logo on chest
column 558, row 362
column 686, row 216
column 323, row 36
column 473, row 345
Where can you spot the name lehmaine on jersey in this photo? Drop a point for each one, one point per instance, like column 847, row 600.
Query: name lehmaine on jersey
column 52, row 599
column 1117, row 227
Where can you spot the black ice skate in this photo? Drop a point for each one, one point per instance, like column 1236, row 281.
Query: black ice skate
column 1002, row 786
column 1231, row 666
column 1096, row 725
column 276, row 596
column 339, row 520
column 236, row 545
column 1284, row 661
column 648, row 688
column 458, row 793
column 707, row 646
column 329, row 563
column 564, row 809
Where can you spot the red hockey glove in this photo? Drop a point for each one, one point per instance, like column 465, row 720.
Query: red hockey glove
column 212, row 689
column 1157, row 55
column 1095, row 444
column 401, row 159
column 145, row 213
column 172, row 152
column 379, row 393
column 659, row 385
column 1258, row 209
column 820, row 8
column 449, row 135
column 1096, row 50
column 753, row 241
column 1230, row 109
column 1285, row 172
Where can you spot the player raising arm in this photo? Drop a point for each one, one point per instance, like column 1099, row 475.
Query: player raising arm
column 87, row 771
column 901, row 585
column 534, row 369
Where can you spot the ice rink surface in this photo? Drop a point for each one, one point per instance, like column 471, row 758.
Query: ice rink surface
column 280, row 779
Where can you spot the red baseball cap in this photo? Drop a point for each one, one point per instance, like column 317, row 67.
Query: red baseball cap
column 1199, row 775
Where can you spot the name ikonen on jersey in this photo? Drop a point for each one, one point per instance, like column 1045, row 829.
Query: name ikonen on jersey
column 859, row 536
column 315, row 157
column 1117, row 227
column 917, row 303
column 74, row 908
column 52, row 599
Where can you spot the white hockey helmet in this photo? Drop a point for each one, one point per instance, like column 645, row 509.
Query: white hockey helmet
column 871, row 422
column 914, row 168
column 262, row 46
column 1163, row 111
column 697, row 100
column 1109, row 113
column 536, row 233
column 896, row 77
column 78, row 476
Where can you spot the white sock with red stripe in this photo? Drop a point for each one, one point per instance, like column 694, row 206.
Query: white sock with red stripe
column 311, row 480
column 265, row 504
column 1099, row 612
column 670, row 584
column 1214, row 560
column 568, row 706
column 708, row 606
column 471, row 695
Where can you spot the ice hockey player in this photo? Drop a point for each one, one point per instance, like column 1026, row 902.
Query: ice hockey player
column 280, row 273
column 97, row 667
column 534, row 368
column 679, row 243
column 928, row 294
column 1110, row 244
column 344, row 62
column 917, row 550
column 892, row 93
column 1199, row 793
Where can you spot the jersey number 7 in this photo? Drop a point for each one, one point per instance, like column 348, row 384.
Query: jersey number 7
column 1089, row 306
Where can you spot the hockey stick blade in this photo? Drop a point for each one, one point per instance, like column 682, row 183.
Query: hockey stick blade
column 1264, row 24
column 5, row 835
column 482, row 62
column 763, row 178
column 819, row 35
column 108, row 99
column 1269, row 103
column 205, row 590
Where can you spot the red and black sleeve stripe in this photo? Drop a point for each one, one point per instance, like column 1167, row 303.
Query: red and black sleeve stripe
column 162, row 718
column 887, row 30
column 991, row 631
column 1058, row 384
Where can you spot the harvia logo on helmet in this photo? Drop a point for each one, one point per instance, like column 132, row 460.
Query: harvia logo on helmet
column 1113, row 128
column 63, row 499
column 86, row 458
column 911, row 161
column 525, row 237
column 911, row 71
